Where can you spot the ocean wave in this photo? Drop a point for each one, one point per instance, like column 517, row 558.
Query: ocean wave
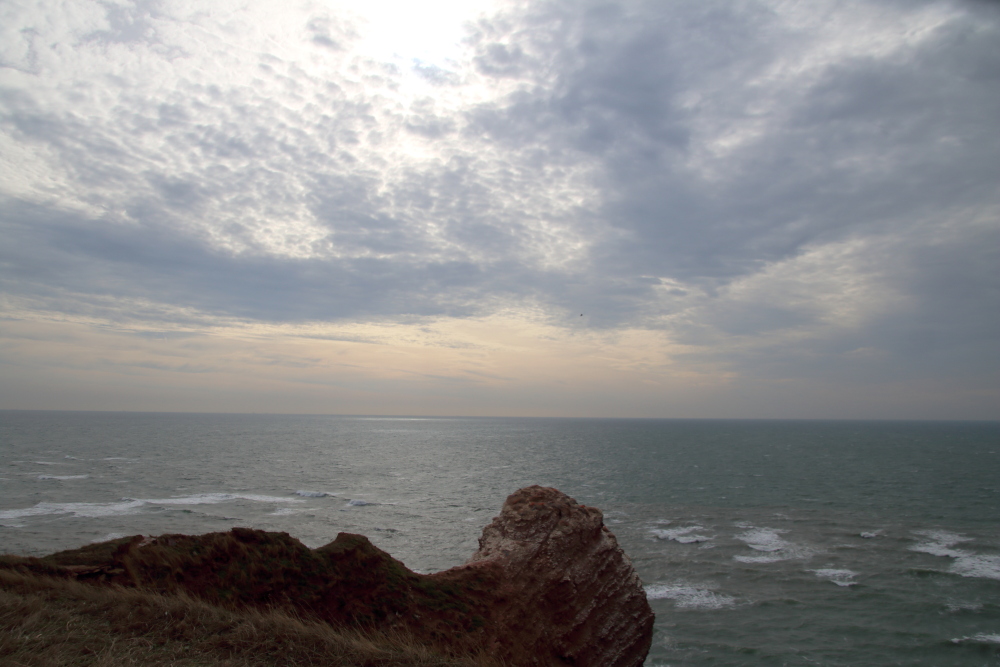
column 686, row 596
column 839, row 577
column 127, row 506
column 681, row 535
column 973, row 565
column 966, row 563
column 61, row 477
column 83, row 510
column 939, row 543
column 214, row 498
column 109, row 537
column 981, row 638
column 773, row 546
column 314, row 494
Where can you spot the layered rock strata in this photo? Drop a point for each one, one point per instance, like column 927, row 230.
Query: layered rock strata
column 569, row 593
column 549, row 584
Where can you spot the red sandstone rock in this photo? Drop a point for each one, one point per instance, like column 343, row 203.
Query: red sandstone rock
column 548, row 586
column 569, row 593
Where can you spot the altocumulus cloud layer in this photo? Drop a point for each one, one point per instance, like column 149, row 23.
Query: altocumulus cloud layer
column 771, row 198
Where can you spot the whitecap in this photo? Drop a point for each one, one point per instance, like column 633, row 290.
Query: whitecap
column 314, row 494
column 84, row 510
column 681, row 535
column 282, row 511
column 109, row 537
column 839, row 577
column 972, row 565
column 764, row 539
column 63, row 477
column 967, row 563
column 359, row 503
column 869, row 534
column 134, row 505
column 686, row 596
column 939, row 543
column 776, row 558
column 214, row 498
column 769, row 541
column 982, row 638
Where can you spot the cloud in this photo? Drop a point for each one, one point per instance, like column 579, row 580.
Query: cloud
column 736, row 143
column 777, row 191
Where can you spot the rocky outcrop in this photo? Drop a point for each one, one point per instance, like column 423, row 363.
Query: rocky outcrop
column 549, row 584
column 569, row 593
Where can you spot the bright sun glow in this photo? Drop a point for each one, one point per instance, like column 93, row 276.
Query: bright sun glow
column 430, row 31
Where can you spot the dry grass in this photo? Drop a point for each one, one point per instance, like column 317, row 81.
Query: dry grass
column 47, row 622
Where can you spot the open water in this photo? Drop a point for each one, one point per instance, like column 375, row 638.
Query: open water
column 759, row 542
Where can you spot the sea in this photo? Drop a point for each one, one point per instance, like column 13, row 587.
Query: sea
column 758, row 542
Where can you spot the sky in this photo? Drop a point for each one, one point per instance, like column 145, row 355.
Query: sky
column 580, row 208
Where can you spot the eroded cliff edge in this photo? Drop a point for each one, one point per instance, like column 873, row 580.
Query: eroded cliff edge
column 549, row 584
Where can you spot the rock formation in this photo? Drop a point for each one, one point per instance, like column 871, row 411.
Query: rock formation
column 548, row 586
column 569, row 593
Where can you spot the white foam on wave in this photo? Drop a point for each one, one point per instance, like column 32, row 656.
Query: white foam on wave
column 967, row 563
column 982, row 567
column 135, row 505
column 314, row 494
column 869, row 534
column 681, row 535
column 839, row 577
column 939, row 543
column 770, row 542
column 214, row 498
column 61, row 477
column 83, row 510
column 686, row 596
column 982, row 638
column 282, row 511
column 109, row 537
column 764, row 539
column 358, row 503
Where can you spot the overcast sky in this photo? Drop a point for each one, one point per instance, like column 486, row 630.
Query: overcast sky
column 680, row 208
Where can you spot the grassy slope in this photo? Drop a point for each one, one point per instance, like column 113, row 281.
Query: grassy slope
column 53, row 621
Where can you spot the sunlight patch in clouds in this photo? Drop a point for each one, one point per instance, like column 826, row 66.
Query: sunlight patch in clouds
column 429, row 32
column 270, row 131
column 735, row 196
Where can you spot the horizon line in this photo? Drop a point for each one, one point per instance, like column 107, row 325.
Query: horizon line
column 539, row 417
